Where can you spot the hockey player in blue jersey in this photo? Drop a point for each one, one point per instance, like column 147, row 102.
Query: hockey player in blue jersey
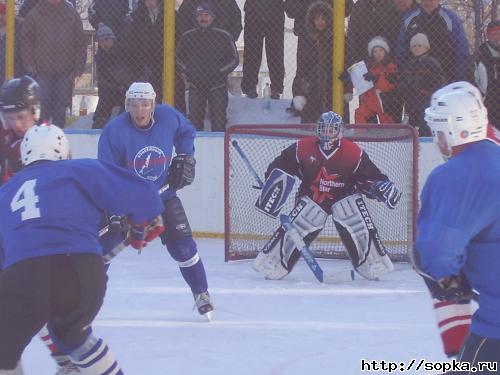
column 52, row 267
column 458, row 244
column 142, row 139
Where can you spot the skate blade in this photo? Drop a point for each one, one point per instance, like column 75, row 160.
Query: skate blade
column 208, row 316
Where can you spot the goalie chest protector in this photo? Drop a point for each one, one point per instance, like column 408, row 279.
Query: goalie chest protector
column 328, row 178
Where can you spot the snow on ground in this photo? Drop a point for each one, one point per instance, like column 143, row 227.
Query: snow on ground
column 295, row 326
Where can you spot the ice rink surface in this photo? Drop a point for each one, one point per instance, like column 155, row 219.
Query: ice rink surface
column 294, row 326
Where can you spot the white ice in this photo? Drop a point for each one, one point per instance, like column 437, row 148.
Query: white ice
column 295, row 326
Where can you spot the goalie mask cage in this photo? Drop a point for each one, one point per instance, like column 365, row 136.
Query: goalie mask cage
column 393, row 148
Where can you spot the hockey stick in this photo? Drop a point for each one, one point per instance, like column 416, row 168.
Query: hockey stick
column 122, row 245
column 250, row 167
column 331, row 278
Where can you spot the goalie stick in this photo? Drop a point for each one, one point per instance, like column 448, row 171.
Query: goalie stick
column 329, row 278
column 250, row 167
column 122, row 245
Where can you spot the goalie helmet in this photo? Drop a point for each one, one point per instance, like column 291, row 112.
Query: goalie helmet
column 20, row 94
column 44, row 142
column 329, row 130
column 456, row 116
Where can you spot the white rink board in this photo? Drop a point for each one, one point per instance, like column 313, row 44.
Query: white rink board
column 204, row 199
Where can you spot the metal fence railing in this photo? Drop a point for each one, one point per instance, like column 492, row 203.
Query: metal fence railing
column 291, row 46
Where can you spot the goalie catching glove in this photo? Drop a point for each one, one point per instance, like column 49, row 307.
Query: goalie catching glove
column 383, row 191
column 140, row 234
column 181, row 171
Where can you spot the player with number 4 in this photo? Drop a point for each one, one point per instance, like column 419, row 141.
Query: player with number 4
column 52, row 267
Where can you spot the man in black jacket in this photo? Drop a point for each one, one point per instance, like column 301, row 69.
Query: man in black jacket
column 227, row 16
column 206, row 55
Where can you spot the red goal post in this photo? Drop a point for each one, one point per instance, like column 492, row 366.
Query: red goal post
column 393, row 148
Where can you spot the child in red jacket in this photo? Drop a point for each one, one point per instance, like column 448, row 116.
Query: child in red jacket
column 382, row 72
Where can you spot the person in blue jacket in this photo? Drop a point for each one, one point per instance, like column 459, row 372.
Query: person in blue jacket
column 458, row 243
column 52, row 267
column 142, row 139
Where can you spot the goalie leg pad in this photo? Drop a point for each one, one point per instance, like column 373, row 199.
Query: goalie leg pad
column 279, row 255
column 360, row 237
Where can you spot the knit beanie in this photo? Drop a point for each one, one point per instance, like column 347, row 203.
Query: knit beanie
column 378, row 41
column 104, row 31
column 204, row 8
column 420, row 39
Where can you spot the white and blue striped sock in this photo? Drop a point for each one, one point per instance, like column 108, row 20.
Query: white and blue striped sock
column 94, row 357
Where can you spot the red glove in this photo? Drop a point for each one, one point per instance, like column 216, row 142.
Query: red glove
column 453, row 318
column 140, row 234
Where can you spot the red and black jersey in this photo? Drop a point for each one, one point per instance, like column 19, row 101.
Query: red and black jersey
column 10, row 154
column 327, row 178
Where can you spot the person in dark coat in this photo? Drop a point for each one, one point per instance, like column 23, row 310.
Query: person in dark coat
column 421, row 76
column 227, row 16
column 488, row 72
column 206, row 55
column 316, row 72
column 112, row 13
column 52, row 57
column 446, row 35
column 297, row 10
column 113, row 75
column 264, row 20
column 145, row 43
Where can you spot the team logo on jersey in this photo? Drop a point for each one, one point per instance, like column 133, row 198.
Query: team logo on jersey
column 150, row 163
column 323, row 185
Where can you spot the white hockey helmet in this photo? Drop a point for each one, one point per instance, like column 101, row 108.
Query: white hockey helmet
column 459, row 85
column 44, row 142
column 139, row 90
column 456, row 116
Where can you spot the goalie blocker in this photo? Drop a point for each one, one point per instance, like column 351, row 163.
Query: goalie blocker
column 275, row 192
column 354, row 224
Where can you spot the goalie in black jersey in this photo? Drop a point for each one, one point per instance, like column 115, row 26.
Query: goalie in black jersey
column 333, row 171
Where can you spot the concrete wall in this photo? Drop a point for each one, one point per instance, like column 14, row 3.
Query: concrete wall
column 204, row 199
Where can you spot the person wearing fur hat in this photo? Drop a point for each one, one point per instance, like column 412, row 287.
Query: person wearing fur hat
column 114, row 75
column 382, row 72
column 420, row 76
column 488, row 72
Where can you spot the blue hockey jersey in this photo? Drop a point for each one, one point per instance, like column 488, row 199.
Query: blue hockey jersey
column 55, row 207
column 459, row 227
column 147, row 152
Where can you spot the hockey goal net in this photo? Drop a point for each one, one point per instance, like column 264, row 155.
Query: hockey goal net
column 393, row 148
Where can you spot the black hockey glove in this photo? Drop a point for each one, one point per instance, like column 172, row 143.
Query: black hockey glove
column 451, row 288
column 181, row 171
column 383, row 191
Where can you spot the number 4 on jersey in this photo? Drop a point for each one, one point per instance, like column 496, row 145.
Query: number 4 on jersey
column 26, row 199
